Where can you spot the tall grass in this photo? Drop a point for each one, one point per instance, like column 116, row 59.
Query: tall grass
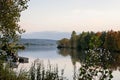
column 6, row 73
column 38, row 71
column 95, row 67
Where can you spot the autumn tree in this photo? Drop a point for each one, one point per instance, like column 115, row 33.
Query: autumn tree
column 112, row 40
column 109, row 41
column 90, row 40
column 10, row 12
column 64, row 43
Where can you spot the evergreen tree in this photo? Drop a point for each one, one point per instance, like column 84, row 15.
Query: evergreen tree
column 73, row 39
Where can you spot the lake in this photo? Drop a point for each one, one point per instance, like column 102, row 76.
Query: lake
column 64, row 58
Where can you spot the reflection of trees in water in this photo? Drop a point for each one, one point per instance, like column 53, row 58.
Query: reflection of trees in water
column 75, row 55
column 95, row 64
column 115, row 65
column 80, row 56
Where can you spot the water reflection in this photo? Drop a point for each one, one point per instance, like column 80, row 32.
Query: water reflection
column 95, row 64
column 70, row 59
column 76, row 56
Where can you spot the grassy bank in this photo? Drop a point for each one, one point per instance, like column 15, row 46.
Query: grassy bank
column 37, row 71
column 95, row 67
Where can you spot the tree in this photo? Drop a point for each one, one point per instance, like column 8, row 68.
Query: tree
column 102, row 38
column 95, row 42
column 64, row 43
column 82, row 41
column 73, row 39
column 118, row 40
column 10, row 29
column 109, row 40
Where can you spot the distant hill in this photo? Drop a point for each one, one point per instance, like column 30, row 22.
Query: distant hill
column 47, row 35
column 42, row 42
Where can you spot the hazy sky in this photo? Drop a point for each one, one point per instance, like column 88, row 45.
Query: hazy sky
column 68, row 15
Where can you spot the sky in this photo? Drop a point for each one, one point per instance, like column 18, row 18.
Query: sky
column 69, row 15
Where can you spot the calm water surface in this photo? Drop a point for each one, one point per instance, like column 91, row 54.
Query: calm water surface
column 65, row 59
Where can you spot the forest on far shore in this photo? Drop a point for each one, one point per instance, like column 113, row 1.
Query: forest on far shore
column 109, row 40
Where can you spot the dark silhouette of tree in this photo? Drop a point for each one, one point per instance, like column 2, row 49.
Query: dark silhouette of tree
column 73, row 39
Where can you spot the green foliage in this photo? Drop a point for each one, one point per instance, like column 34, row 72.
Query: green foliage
column 89, row 40
column 9, row 28
column 73, row 39
column 82, row 42
column 96, row 66
column 7, row 73
column 95, row 42
column 10, row 34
